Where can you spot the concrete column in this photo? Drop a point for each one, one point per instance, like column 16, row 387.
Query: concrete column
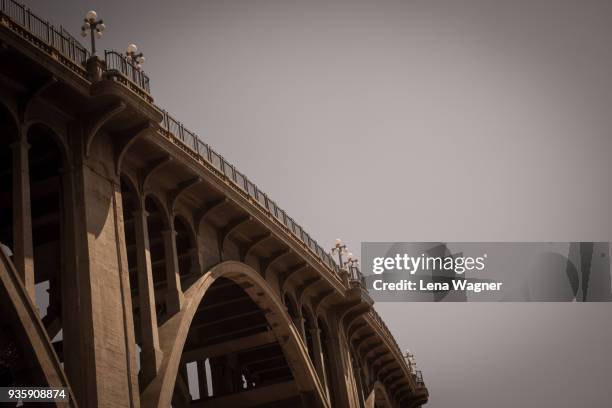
column 103, row 353
column 196, row 267
column 23, row 249
column 174, row 294
column 151, row 355
column 360, row 386
column 318, row 355
column 344, row 391
column 299, row 323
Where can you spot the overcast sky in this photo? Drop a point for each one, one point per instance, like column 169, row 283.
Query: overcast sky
column 412, row 121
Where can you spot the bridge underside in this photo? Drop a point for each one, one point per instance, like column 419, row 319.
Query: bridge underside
column 138, row 271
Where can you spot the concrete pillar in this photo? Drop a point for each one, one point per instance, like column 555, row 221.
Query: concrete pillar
column 344, row 391
column 360, row 385
column 23, row 249
column 300, row 324
column 104, row 357
column 196, row 267
column 318, row 355
column 151, row 355
column 174, row 294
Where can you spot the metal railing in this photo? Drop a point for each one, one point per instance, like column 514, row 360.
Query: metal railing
column 118, row 64
column 240, row 180
column 418, row 378
column 356, row 276
column 56, row 38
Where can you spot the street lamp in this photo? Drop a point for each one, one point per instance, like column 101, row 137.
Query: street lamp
column 94, row 27
column 134, row 56
column 352, row 264
column 339, row 249
column 409, row 357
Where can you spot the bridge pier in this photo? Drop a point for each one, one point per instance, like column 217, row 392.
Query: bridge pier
column 150, row 354
column 104, row 335
column 23, row 248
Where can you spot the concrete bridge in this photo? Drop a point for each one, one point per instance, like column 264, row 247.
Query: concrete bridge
column 164, row 276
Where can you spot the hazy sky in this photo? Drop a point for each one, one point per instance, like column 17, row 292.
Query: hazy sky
column 413, row 121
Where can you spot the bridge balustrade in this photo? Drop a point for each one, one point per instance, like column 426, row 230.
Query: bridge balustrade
column 56, row 38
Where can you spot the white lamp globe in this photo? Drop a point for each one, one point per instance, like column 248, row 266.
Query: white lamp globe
column 98, row 34
column 132, row 49
column 91, row 15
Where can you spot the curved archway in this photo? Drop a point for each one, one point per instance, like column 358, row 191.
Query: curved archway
column 175, row 332
column 379, row 397
column 52, row 132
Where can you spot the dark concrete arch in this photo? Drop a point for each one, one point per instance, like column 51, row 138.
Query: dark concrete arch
column 157, row 223
column 310, row 327
column 9, row 134
column 188, row 223
column 328, row 359
column 11, row 112
column 186, row 250
column 124, row 146
column 173, row 334
column 57, row 135
column 48, row 184
column 379, row 396
column 132, row 187
column 291, row 305
column 161, row 206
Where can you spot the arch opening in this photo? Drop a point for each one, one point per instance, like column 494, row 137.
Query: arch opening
column 309, row 332
column 327, row 357
column 130, row 205
column 156, row 224
column 46, row 208
column 231, row 355
column 186, row 252
column 9, row 349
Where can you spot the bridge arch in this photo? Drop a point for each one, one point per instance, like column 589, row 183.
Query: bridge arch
column 174, row 334
column 379, row 396
column 53, row 132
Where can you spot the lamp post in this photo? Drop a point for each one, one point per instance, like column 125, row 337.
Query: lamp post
column 416, row 373
column 352, row 263
column 409, row 357
column 94, row 27
column 134, row 56
column 339, row 249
